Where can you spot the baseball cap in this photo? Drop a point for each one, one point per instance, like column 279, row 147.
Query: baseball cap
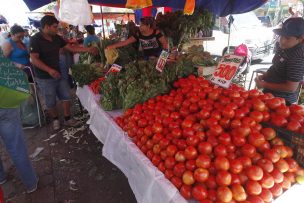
column 292, row 27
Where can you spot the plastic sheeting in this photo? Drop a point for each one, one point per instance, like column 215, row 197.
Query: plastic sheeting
column 147, row 182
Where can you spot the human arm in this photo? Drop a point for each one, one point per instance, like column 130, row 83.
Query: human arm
column 79, row 49
column 130, row 40
column 288, row 86
column 7, row 49
column 163, row 41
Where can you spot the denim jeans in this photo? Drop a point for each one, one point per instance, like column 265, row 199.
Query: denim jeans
column 50, row 89
column 11, row 133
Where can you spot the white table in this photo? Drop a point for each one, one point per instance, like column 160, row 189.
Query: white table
column 147, row 182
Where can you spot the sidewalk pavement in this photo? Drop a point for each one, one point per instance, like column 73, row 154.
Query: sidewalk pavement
column 70, row 167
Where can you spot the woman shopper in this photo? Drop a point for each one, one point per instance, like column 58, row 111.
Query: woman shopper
column 151, row 40
column 16, row 50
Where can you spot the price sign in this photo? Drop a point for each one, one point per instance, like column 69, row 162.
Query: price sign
column 162, row 60
column 226, row 70
column 114, row 69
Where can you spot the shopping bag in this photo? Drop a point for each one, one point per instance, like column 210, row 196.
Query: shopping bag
column 189, row 7
column 241, row 50
column 75, row 12
column 14, row 86
column 137, row 4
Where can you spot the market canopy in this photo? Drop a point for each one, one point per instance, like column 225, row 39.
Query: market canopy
column 218, row 7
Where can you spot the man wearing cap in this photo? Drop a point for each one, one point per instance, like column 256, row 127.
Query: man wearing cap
column 282, row 79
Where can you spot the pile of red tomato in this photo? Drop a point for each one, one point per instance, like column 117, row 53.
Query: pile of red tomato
column 208, row 141
column 95, row 86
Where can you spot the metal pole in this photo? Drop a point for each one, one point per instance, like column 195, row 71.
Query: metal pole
column 103, row 31
column 230, row 21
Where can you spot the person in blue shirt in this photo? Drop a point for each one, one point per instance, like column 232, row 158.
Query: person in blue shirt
column 91, row 36
column 15, row 49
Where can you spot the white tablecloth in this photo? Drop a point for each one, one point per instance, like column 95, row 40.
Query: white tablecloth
column 147, row 182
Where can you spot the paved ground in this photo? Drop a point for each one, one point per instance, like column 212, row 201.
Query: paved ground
column 70, row 171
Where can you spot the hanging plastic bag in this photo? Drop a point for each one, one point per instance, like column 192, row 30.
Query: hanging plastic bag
column 189, row 7
column 137, row 4
column 29, row 111
column 75, row 12
column 241, row 50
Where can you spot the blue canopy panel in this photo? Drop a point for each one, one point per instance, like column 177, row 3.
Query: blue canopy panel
column 34, row 4
column 218, row 7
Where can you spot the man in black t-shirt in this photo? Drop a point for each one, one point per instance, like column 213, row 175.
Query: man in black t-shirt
column 44, row 53
column 283, row 78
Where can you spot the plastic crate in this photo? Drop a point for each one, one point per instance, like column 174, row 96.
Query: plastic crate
column 291, row 139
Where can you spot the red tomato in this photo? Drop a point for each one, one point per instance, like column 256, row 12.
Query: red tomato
column 257, row 116
column 181, row 144
column 211, row 182
column 201, row 175
column 279, row 121
column 205, row 148
column 224, row 139
column 283, row 111
column 223, row 178
column 156, row 160
column 188, row 178
column 192, row 140
column 190, row 165
column 274, row 103
column 276, row 190
column 272, row 155
column 177, row 182
column 269, row 133
column 248, row 150
column 258, row 105
column 180, row 156
column 216, row 130
column 256, row 139
column 266, row 165
column 170, row 162
column 253, row 187
column 246, row 161
column 297, row 109
column 224, row 194
column 294, row 126
column 255, row 199
column 203, row 161
column 221, row 163
column 238, row 192
column 236, row 166
column 171, row 150
column 190, row 152
column 185, row 191
column 220, row 150
column 199, row 192
column 254, row 173
column 286, row 184
column 179, row 169
column 278, row 177
column 282, row 166
column 228, row 113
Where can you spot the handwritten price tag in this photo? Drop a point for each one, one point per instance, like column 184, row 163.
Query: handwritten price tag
column 226, row 70
column 162, row 60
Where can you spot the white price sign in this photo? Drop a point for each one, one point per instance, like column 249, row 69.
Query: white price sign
column 162, row 60
column 226, row 70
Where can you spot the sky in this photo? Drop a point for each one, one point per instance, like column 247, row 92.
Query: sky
column 14, row 11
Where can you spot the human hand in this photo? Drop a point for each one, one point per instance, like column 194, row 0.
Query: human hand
column 18, row 65
column 260, row 83
column 55, row 74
